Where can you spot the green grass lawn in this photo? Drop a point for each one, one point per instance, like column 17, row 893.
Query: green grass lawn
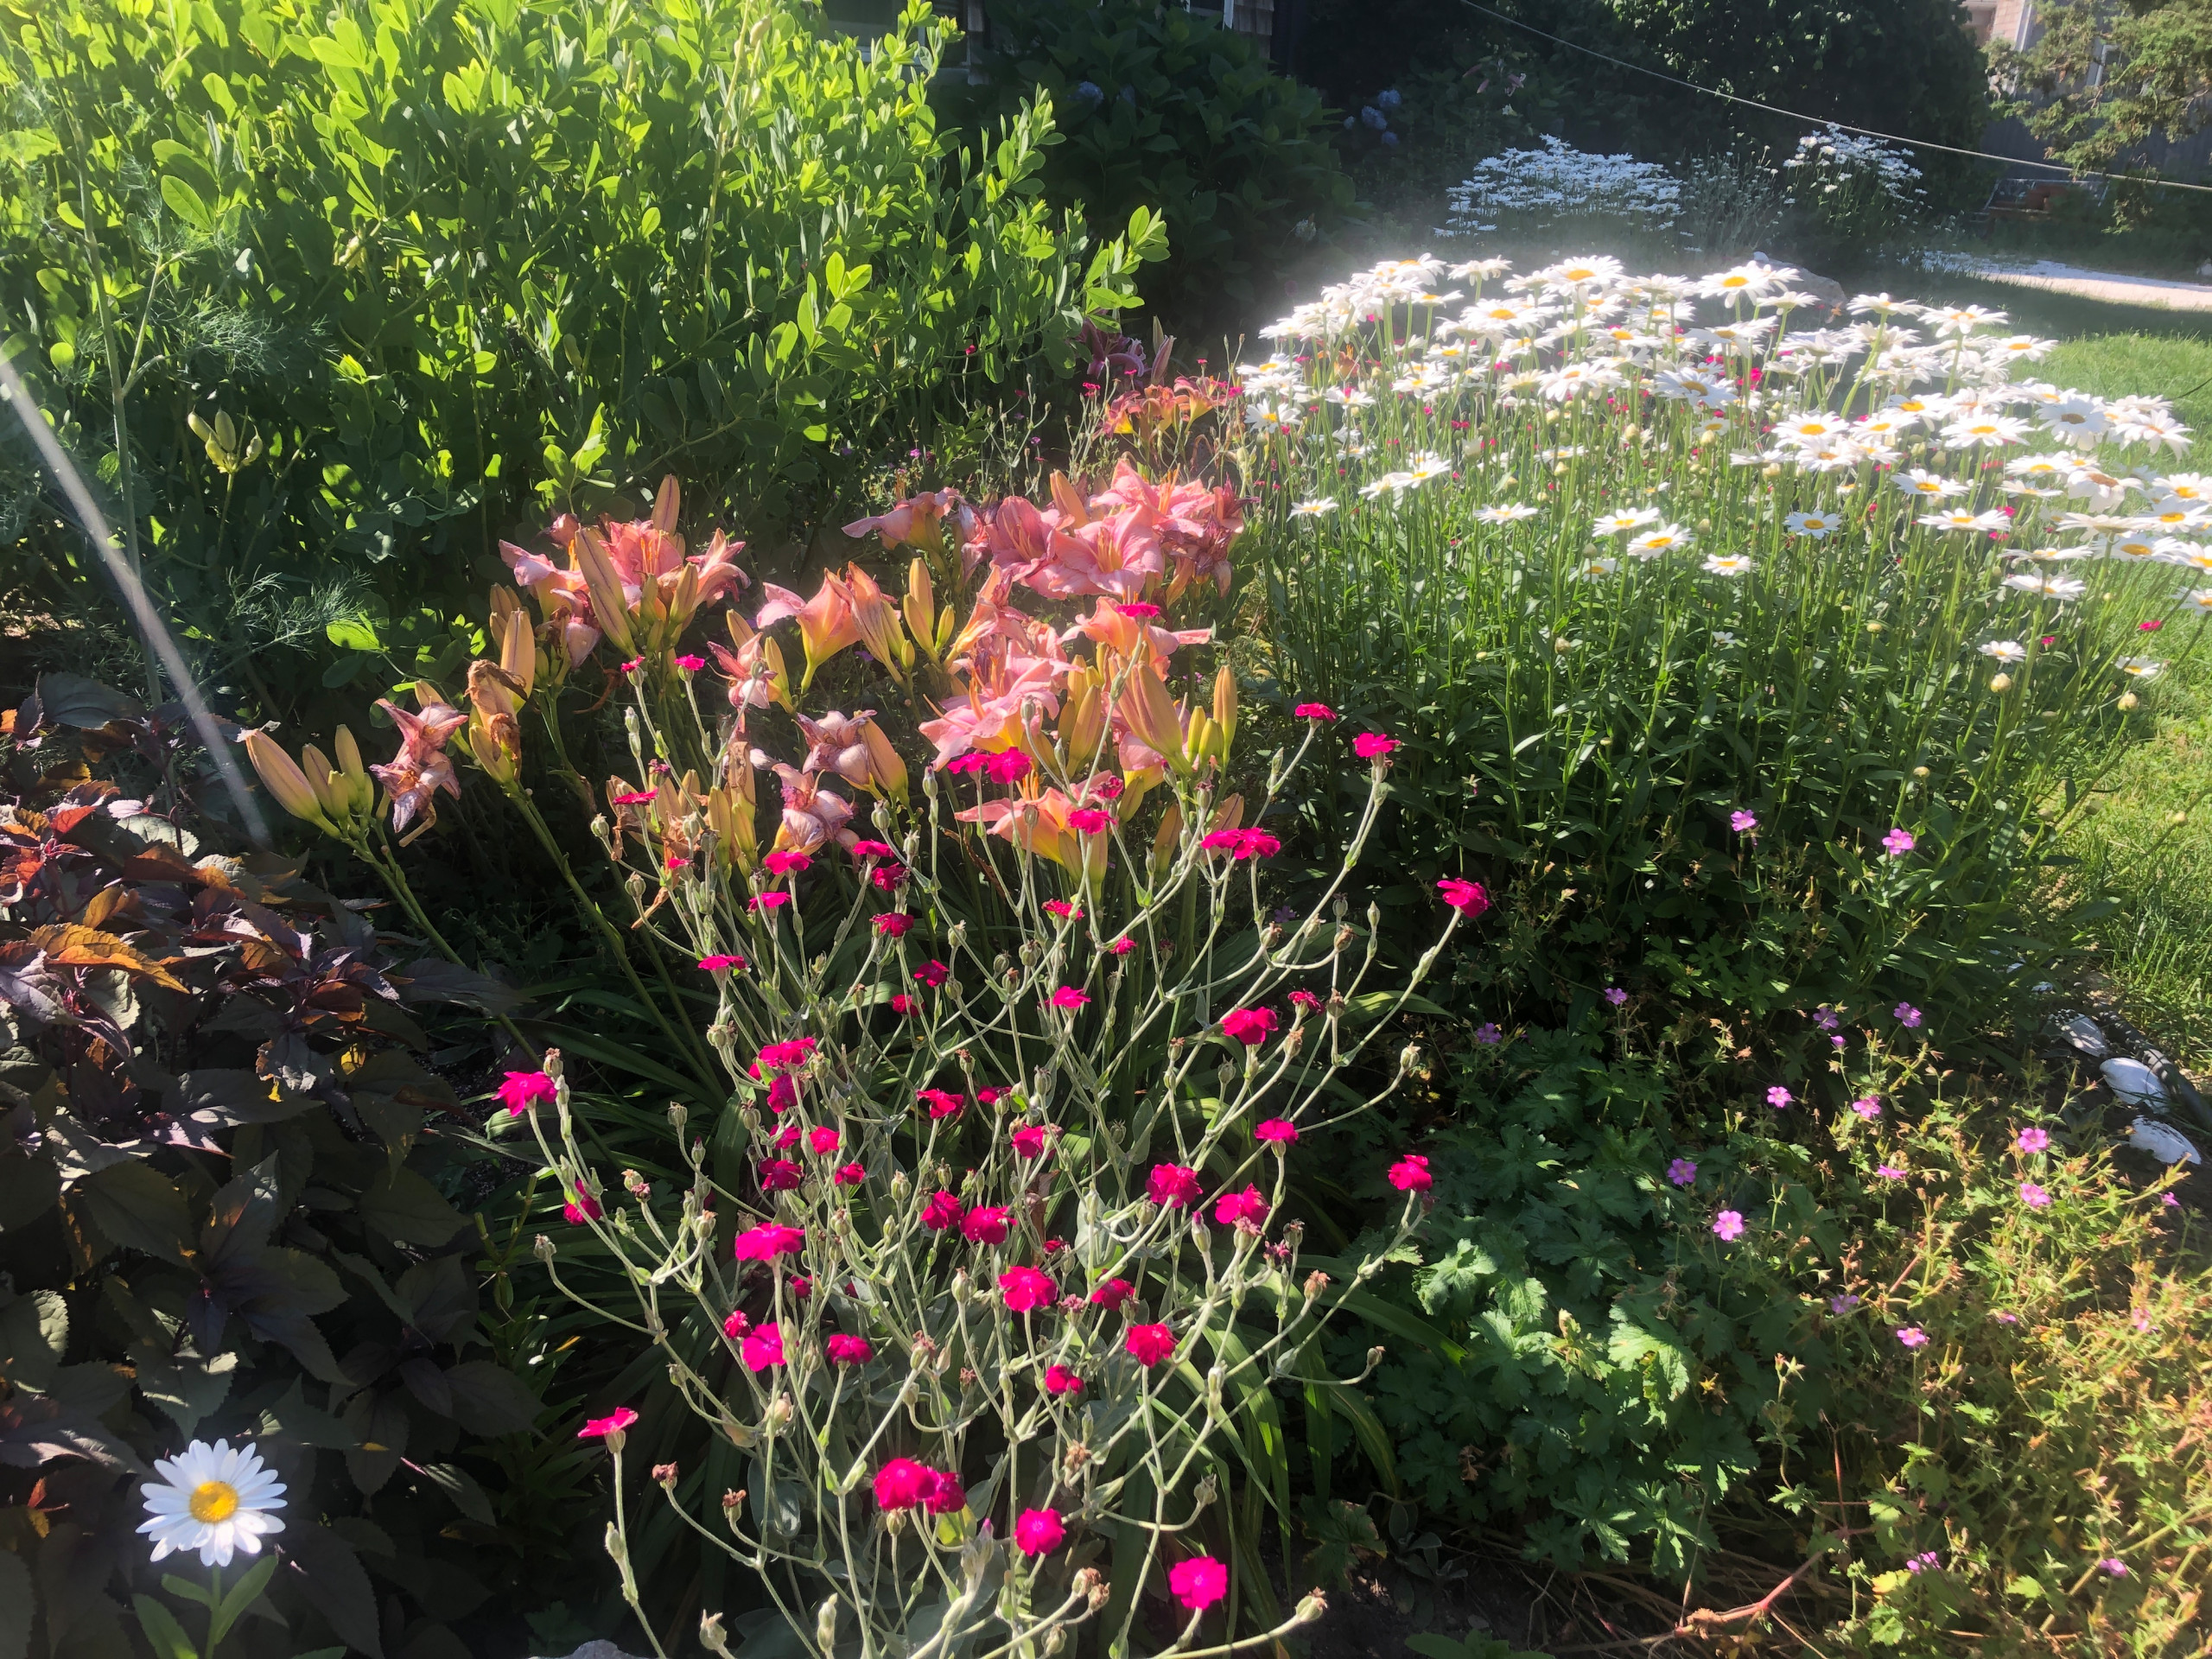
column 2148, row 845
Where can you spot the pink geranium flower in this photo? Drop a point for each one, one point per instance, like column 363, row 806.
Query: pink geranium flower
column 1778, row 1098
column 1912, row 1335
column 522, row 1088
column 1173, row 1185
column 2034, row 1196
column 1897, row 842
column 1728, row 1225
column 1867, row 1107
column 2032, row 1140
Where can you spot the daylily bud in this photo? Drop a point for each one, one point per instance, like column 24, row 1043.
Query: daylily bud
column 1082, row 720
column 281, row 775
column 920, row 605
column 316, row 765
column 883, row 761
column 1171, row 833
column 1224, row 705
column 610, row 606
column 877, row 622
column 518, row 653
column 360, row 790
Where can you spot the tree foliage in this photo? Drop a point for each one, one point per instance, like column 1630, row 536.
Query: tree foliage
column 2101, row 83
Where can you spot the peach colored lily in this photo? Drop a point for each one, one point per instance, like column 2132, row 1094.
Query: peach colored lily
column 826, row 622
column 812, row 816
column 1040, row 823
column 919, row 521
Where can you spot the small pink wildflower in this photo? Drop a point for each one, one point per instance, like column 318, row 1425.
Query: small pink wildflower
column 1912, row 1335
column 1728, row 1225
column 1898, row 842
column 2032, row 1140
column 1778, row 1098
column 2034, row 1196
column 1867, row 1107
column 720, row 963
column 1907, row 1016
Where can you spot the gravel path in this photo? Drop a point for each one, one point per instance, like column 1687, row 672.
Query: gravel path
column 2089, row 284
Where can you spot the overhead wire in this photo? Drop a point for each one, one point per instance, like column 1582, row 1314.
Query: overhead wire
column 1824, row 121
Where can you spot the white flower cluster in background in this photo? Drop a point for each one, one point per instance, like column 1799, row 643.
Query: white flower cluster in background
column 1906, row 402
column 1832, row 160
column 1559, row 181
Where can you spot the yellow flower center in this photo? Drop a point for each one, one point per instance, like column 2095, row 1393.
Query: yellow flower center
column 213, row 1501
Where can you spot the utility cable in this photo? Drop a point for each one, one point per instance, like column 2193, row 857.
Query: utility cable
column 1822, row 121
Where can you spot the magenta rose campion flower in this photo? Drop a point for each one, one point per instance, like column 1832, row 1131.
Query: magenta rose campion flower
column 1148, row 1345
column 615, row 1422
column 1068, row 997
column 943, row 1210
column 1112, row 1292
column 1038, row 1532
column 1373, row 746
column 1280, row 1131
column 1029, row 1140
column 522, row 1089
column 1314, row 711
column 847, row 1351
column 1251, row 1027
column 763, row 1350
column 1060, row 1380
column 1465, row 897
column 902, row 1484
column 989, row 1225
column 765, row 1243
column 1198, row 1583
column 1247, row 1209
column 1027, row 1290
column 1175, row 1185
column 1410, row 1173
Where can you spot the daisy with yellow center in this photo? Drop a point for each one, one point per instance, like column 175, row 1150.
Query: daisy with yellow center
column 212, row 1499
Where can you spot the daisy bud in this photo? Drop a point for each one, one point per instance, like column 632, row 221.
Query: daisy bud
column 2127, row 700
column 2000, row 682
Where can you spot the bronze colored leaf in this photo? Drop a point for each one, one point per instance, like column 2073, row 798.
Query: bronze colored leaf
column 73, row 946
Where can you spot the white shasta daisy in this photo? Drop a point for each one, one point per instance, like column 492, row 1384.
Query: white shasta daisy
column 212, row 1499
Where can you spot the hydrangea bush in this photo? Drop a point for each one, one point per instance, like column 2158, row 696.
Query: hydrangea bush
column 1707, row 593
column 981, row 1252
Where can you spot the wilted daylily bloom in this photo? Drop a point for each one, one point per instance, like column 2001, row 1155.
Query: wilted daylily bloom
column 421, row 768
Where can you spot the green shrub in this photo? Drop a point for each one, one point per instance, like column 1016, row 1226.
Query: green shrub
column 330, row 305
column 226, row 1210
column 1160, row 109
column 1633, row 1376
